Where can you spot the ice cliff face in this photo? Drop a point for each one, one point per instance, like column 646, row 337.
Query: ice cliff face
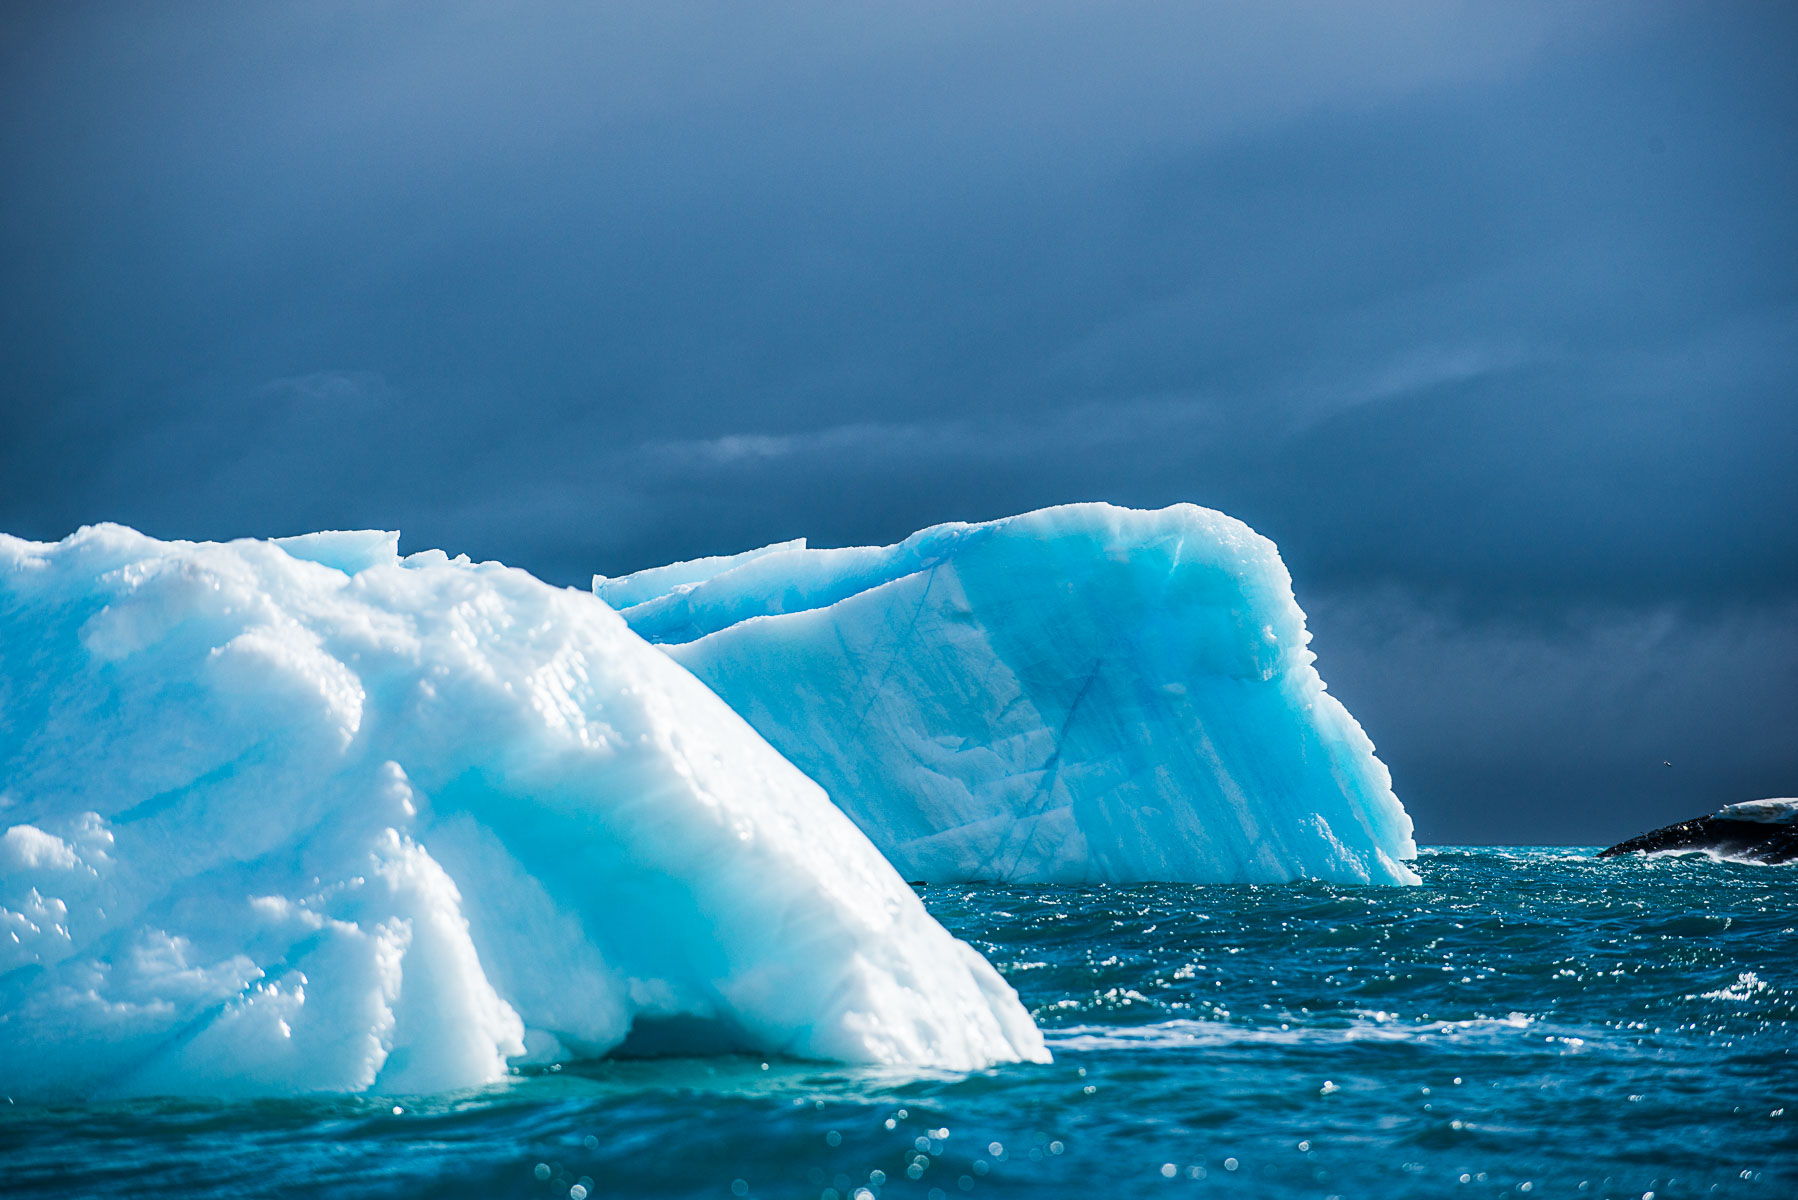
column 1076, row 695
column 296, row 816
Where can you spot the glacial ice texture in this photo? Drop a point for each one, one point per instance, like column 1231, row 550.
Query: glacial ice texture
column 297, row 816
column 1076, row 695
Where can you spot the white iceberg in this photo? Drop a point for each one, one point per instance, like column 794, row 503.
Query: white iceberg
column 298, row 816
column 1078, row 695
column 1779, row 810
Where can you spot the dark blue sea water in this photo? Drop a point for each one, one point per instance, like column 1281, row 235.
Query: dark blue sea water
column 1528, row 1023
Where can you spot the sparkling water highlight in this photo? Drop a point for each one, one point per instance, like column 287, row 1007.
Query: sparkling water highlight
column 1527, row 1023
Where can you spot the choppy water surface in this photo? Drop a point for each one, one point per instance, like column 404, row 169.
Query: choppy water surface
column 1526, row 1023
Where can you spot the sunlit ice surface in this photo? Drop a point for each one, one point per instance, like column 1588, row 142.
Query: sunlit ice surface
column 1526, row 1023
column 1081, row 694
column 298, row 816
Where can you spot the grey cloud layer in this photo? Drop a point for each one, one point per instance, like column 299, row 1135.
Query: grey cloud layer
column 1493, row 310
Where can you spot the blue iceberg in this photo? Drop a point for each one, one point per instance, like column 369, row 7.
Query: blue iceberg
column 1078, row 695
column 300, row 816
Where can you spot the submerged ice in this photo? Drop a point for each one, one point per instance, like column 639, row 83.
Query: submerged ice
column 297, row 815
column 1077, row 695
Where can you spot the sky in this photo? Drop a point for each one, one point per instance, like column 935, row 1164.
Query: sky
column 1486, row 314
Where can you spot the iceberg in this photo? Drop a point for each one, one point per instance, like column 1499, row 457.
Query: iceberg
column 1084, row 694
column 301, row 815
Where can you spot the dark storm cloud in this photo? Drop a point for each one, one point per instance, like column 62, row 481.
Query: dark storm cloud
column 1488, row 315
column 1511, row 729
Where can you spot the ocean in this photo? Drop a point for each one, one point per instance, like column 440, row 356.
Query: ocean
column 1529, row 1022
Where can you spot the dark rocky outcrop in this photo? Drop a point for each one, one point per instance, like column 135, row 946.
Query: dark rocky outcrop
column 1760, row 830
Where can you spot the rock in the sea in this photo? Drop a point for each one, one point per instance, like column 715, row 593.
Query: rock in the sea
column 1758, row 830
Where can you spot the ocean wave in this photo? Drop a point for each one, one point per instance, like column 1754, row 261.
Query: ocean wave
column 1370, row 1026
